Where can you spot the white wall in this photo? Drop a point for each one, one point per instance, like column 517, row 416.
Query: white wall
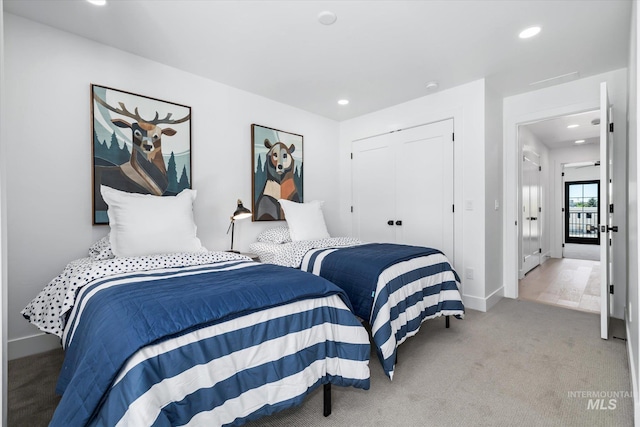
column 48, row 146
column 493, row 194
column 466, row 105
column 573, row 97
column 633, row 300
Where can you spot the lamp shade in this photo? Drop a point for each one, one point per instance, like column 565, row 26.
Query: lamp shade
column 241, row 212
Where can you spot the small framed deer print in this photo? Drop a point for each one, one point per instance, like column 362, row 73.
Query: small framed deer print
column 276, row 170
column 139, row 144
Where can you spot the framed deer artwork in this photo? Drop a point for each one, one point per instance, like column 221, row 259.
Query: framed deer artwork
column 140, row 145
column 276, row 171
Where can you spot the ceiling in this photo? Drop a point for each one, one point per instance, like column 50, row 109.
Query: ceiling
column 555, row 133
column 377, row 54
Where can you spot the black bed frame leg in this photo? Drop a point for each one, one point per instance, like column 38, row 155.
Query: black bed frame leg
column 447, row 321
column 327, row 400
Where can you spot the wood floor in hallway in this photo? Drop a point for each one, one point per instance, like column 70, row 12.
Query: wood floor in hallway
column 571, row 283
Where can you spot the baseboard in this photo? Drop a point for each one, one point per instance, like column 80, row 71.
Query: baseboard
column 483, row 304
column 634, row 379
column 34, row 344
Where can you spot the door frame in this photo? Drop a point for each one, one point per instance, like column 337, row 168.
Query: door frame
column 512, row 183
column 565, row 226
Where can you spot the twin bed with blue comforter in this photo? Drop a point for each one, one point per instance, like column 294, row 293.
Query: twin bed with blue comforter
column 394, row 288
column 195, row 339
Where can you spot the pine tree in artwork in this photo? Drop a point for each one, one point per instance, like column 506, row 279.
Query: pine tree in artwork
column 184, row 180
column 99, row 148
column 260, row 178
column 172, row 175
column 125, row 155
column 114, row 150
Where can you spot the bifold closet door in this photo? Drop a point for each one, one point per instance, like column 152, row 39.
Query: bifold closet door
column 403, row 187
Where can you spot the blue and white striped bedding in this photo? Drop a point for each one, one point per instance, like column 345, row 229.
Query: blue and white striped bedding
column 212, row 344
column 393, row 287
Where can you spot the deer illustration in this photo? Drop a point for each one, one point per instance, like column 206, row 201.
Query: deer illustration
column 145, row 172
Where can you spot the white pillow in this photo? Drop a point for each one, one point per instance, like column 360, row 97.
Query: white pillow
column 144, row 224
column 275, row 235
column 305, row 220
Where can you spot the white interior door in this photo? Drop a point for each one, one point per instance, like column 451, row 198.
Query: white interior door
column 373, row 189
column 402, row 187
column 424, row 195
column 531, row 247
column 605, row 219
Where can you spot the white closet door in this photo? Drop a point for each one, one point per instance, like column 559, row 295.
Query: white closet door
column 414, row 169
column 424, row 195
column 373, row 189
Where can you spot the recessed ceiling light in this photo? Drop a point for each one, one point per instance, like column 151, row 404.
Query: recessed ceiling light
column 343, row 101
column 529, row 32
column 432, row 85
column 580, row 141
column 572, row 126
column 98, row 2
column 327, row 18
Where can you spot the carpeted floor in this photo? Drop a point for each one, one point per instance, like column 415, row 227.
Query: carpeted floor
column 522, row 363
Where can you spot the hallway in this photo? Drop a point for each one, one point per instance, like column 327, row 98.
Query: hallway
column 565, row 282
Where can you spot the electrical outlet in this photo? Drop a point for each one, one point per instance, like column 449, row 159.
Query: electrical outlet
column 468, row 273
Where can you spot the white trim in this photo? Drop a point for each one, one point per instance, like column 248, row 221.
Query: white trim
column 634, row 377
column 4, row 321
column 34, row 344
column 483, row 304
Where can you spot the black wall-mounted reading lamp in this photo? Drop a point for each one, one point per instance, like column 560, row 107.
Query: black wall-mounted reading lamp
column 240, row 213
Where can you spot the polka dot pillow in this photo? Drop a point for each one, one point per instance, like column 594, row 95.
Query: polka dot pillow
column 275, row 235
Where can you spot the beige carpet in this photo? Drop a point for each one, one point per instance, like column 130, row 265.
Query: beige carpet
column 522, row 363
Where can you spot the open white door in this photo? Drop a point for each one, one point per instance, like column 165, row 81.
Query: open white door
column 605, row 222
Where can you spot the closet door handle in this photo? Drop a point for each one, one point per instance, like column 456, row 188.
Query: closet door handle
column 390, row 222
column 398, row 222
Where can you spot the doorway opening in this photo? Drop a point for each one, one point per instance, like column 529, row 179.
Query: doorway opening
column 567, row 217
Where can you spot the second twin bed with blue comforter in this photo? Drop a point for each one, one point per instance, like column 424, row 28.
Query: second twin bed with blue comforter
column 195, row 339
column 394, row 288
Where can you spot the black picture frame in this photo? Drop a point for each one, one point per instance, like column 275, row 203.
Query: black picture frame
column 277, row 169
column 139, row 145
